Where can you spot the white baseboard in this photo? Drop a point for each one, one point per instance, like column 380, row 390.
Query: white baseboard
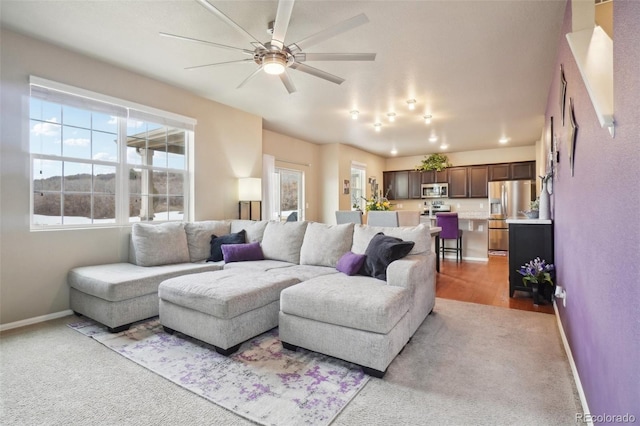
column 574, row 370
column 35, row 320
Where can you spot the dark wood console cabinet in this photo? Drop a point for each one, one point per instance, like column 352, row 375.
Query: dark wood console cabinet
column 526, row 242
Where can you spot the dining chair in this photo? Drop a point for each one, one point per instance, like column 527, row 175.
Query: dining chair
column 348, row 216
column 382, row 218
column 450, row 231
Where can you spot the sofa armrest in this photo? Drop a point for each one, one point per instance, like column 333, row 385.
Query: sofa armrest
column 411, row 270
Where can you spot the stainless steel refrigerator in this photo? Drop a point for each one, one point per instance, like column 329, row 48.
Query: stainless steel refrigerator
column 507, row 199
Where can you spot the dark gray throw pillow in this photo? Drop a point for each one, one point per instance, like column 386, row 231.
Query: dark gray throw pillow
column 217, row 242
column 381, row 251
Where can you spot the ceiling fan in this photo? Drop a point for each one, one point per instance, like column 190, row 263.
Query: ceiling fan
column 274, row 57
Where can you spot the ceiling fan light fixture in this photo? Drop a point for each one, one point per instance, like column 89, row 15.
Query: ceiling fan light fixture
column 411, row 103
column 274, row 63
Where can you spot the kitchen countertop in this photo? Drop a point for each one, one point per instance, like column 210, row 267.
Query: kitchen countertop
column 464, row 216
column 530, row 221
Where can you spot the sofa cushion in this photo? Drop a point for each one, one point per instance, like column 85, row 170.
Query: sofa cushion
column 420, row 235
column 303, row 272
column 350, row 263
column 324, row 244
column 363, row 303
column 383, row 250
column 283, row 241
column 217, row 242
column 258, row 265
column 115, row 282
column 241, row 252
column 224, row 294
column 161, row 244
column 199, row 236
column 255, row 229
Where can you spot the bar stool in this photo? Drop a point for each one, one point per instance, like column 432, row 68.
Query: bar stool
column 348, row 216
column 450, row 231
column 382, row 218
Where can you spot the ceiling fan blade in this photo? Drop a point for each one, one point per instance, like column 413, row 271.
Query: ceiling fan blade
column 220, row 63
column 302, row 57
column 211, row 8
column 329, row 32
column 283, row 15
column 317, row 73
column 286, row 80
column 253, row 74
column 208, row 43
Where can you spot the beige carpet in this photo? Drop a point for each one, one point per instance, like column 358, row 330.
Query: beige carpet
column 467, row 364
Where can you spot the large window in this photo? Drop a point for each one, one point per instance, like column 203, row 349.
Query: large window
column 290, row 194
column 99, row 163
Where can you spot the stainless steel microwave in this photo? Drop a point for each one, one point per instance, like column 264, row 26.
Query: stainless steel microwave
column 435, row 190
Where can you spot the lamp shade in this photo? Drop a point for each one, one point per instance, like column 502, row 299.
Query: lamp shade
column 250, row 189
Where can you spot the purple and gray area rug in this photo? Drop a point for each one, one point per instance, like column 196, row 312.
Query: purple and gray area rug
column 262, row 381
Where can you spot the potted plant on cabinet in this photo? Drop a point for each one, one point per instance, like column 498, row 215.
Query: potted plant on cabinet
column 437, row 162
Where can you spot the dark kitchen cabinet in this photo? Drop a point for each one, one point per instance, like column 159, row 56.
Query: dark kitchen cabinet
column 415, row 182
column 526, row 242
column 401, row 185
column 458, row 182
column 388, row 183
column 499, row 172
column 478, row 181
column 433, row 176
column 525, row 170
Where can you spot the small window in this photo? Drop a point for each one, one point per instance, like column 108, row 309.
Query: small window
column 358, row 186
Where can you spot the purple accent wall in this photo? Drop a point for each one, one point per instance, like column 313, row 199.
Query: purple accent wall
column 597, row 223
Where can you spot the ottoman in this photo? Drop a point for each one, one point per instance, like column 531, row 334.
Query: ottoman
column 222, row 308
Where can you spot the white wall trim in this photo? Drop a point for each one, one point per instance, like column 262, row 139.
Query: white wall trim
column 574, row 370
column 35, row 320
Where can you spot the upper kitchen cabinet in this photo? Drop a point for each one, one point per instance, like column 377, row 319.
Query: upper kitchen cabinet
column 415, row 182
column 525, row 170
column 512, row 171
column 396, row 185
column 388, row 183
column 478, row 181
column 433, row 176
column 458, row 182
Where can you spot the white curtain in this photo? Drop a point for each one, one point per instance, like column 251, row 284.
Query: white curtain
column 269, row 210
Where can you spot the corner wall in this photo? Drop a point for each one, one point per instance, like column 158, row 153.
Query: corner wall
column 597, row 245
column 34, row 265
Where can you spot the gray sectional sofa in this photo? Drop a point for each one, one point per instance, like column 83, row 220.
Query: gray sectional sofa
column 297, row 287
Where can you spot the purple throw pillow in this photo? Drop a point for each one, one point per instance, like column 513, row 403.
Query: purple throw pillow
column 241, row 252
column 350, row 263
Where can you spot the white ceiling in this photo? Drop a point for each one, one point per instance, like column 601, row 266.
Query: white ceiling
column 481, row 68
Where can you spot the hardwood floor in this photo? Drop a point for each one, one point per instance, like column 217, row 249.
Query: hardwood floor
column 483, row 283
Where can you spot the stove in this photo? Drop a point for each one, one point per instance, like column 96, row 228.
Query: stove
column 436, row 207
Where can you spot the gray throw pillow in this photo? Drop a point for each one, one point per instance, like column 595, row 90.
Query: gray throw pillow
column 199, row 236
column 161, row 244
column 283, row 240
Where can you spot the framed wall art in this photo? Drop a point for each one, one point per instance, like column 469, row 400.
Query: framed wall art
column 346, row 186
column 563, row 93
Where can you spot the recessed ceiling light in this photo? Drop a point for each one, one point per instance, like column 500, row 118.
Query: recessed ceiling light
column 411, row 103
column 377, row 126
column 433, row 139
column 391, row 116
column 427, row 119
column 354, row 114
column 503, row 140
column 394, row 151
column 444, row 146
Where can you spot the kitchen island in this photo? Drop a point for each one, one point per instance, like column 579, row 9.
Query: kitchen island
column 474, row 237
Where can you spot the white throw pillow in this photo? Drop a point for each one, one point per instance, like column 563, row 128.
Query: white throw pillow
column 161, row 244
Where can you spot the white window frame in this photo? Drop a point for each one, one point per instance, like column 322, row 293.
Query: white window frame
column 83, row 99
column 361, row 169
column 301, row 192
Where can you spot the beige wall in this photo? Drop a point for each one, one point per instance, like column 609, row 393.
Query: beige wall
column 34, row 265
column 296, row 154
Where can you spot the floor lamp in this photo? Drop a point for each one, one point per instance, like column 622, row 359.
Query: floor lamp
column 250, row 196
